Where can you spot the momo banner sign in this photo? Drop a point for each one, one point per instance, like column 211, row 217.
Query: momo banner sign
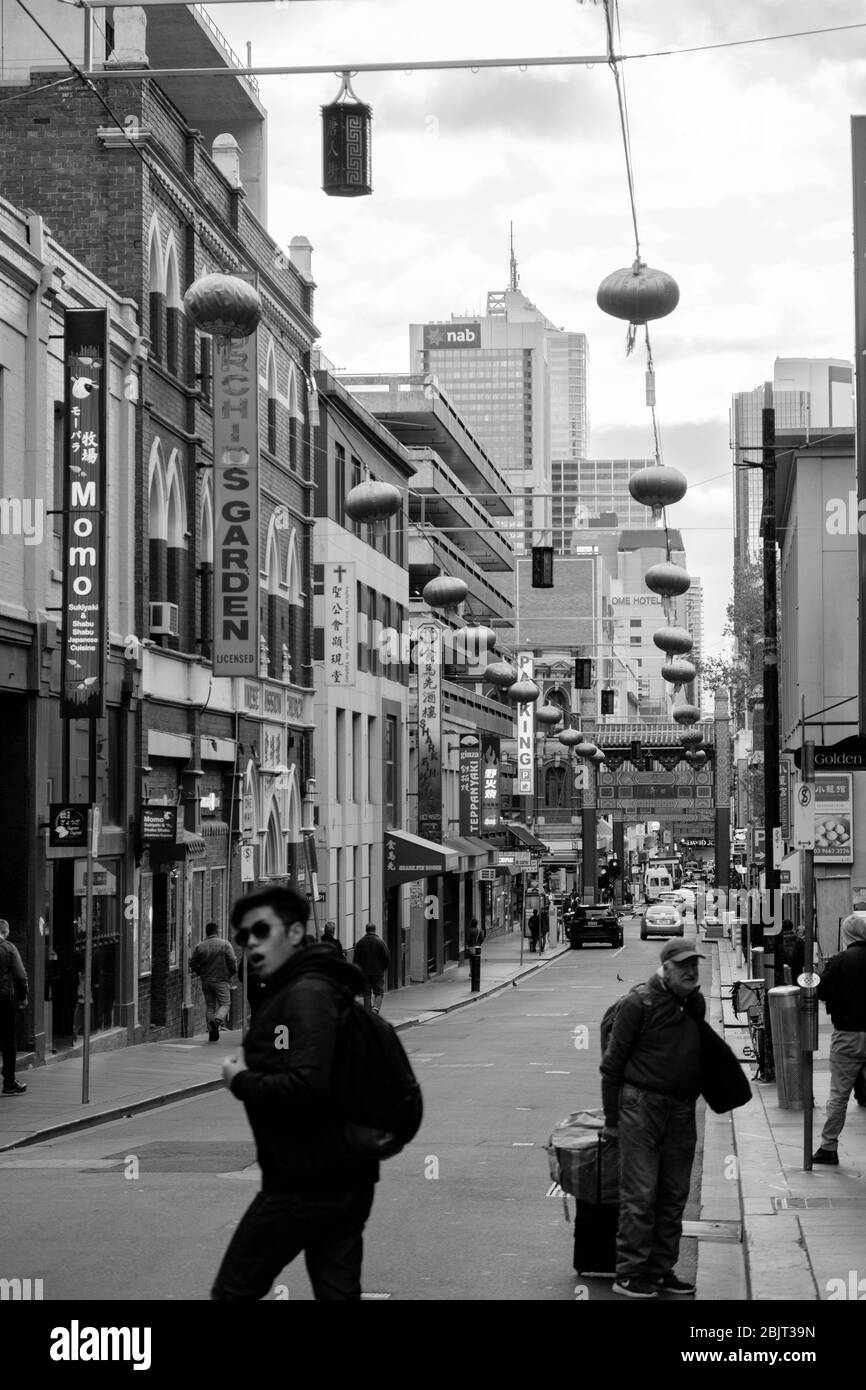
column 490, row 794
column 525, row 731
column 236, row 507
column 469, row 782
column 428, row 655
column 85, row 637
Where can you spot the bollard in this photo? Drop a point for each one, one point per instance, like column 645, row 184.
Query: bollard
column 785, row 1031
column 474, row 969
column 756, row 962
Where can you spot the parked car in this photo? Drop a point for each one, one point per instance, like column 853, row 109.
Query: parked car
column 591, row 925
column 662, row 919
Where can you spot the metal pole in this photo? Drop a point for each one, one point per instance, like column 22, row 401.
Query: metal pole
column 771, row 658
column 411, row 65
column 809, row 1041
column 522, row 913
column 92, row 828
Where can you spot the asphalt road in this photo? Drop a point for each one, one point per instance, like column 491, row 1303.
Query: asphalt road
column 143, row 1208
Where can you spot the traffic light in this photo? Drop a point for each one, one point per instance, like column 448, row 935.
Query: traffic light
column 613, row 867
column 542, row 567
column 607, row 699
column 583, row 673
column 603, row 879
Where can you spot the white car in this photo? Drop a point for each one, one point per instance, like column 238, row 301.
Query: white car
column 662, row 919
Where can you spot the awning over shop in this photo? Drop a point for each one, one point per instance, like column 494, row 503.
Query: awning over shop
column 187, row 846
column 526, row 837
column 474, row 854
column 407, row 857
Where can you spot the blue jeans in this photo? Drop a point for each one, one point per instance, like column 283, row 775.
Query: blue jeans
column 847, row 1060
column 657, row 1139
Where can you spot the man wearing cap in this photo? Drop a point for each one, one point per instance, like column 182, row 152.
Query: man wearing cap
column 651, row 1078
column 843, row 989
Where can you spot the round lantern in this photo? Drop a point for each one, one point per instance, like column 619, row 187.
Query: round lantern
column 676, row 641
column 687, row 714
column 224, row 305
column 373, row 501
column 476, row 639
column 523, row 692
column 599, row 756
column 667, row 579
column 570, row 738
column 587, row 750
column 444, row 592
column 697, row 759
column 679, row 672
column 548, row 714
column 692, row 736
column 657, row 488
column 638, row 294
column 500, row 673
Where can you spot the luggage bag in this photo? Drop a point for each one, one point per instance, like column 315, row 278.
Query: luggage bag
column 595, row 1239
column 586, row 1167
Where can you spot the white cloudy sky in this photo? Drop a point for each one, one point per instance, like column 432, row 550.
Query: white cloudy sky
column 742, row 178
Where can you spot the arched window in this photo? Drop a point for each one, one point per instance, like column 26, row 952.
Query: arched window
column 560, row 698
column 176, row 541
column 276, row 616
column 554, row 786
column 206, row 571
column 157, row 526
column 275, row 847
column 173, row 310
column 272, row 440
column 295, row 598
column 295, row 419
column 156, row 292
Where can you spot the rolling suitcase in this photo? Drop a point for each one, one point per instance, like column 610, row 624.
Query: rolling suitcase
column 586, row 1167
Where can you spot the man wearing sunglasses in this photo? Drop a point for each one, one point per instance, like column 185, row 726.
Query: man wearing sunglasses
column 315, row 1196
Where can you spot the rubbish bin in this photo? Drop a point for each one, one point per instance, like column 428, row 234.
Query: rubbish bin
column 474, row 969
column 785, row 1030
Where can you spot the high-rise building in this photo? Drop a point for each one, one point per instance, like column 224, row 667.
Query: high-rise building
column 809, row 394
column 519, row 383
column 694, row 604
column 587, row 491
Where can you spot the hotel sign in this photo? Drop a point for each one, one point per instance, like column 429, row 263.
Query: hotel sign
column 428, row 656
column 236, row 507
column 84, row 549
column 525, row 731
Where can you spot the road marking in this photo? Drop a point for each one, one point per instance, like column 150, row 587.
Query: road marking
column 557, row 1073
column 523, row 1107
column 375, row 1295
column 565, row 1015
column 522, row 1145
column 61, row 1162
column 463, row 1064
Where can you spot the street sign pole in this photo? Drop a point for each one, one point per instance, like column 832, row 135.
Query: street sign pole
column 522, row 913
column 94, row 825
column 808, row 993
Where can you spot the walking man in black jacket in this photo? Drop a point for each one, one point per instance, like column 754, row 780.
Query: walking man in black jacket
column 651, row 1075
column 315, row 1195
column 373, row 959
column 843, row 989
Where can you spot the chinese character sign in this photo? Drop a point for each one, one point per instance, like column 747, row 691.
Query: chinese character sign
column 341, row 628
column 469, row 779
column 84, row 625
column 834, row 828
column 525, row 731
column 236, row 507
column 429, row 662
column 490, row 782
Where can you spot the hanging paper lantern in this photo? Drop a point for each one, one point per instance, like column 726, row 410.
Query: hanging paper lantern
column 657, row 488
column 500, row 673
column 667, row 579
column 444, row 592
column 676, row 641
column 638, row 294
column 570, row 738
column 371, row 501
column 679, row 672
column 599, row 756
column 697, row 759
column 687, row 714
column 692, row 736
column 523, row 692
column 586, row 750
column 224, row 305
column 475, row 639
column 548, row 714
column 346, row 145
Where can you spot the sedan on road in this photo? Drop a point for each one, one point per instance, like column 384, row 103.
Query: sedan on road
column 662, row 919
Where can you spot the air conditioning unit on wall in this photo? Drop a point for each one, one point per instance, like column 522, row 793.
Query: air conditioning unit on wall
column 164, row 620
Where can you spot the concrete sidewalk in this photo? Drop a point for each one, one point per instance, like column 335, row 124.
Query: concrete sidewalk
column 127, row 1080
column 804, row 1233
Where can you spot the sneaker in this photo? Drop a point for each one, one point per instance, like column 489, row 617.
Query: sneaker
column 213, row 1031
column 669, row 1283
column 826, row 1156
column 14, row 1088
column 636, row 1286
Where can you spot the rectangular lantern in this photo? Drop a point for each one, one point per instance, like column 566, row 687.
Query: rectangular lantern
column 346, row 149
column 542, row 567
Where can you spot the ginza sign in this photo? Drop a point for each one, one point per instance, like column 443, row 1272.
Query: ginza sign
column 236, row 508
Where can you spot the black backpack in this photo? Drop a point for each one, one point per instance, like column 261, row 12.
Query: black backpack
column 377, row 1090
column 608, row 1018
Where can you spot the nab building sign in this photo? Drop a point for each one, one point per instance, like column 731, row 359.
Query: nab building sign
column 452, row 335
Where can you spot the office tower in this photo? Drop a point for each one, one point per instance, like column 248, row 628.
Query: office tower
column 591, row 491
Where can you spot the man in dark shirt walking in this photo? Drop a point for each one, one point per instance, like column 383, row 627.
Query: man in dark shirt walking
column 843, row 989
column 373, row 959
column 215, row 963
column 651, row 1079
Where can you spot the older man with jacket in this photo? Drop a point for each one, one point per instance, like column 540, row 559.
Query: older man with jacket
column 843, row 989
column 651, row 1079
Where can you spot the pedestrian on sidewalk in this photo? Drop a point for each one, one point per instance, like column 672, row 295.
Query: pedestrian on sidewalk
column 216, row 965
column 14, row 997
column 316, row 1196
column 330, row 938
column 477, row 934
column 843, row 989
column 651, row 1079
column 793, row 949
column 373, row 959
column 534, row 925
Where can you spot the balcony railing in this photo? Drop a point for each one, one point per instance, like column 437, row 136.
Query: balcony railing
column 225, row 45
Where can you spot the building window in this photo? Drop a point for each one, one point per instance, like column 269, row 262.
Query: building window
column 205, row 368
column 371, row 759
column 389, row 768
column 340, row 754
column 272, row 424
column 157, row 312
column 340, row 484
column 357, row 758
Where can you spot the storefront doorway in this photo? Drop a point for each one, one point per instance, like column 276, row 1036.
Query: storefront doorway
column 65, row 947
